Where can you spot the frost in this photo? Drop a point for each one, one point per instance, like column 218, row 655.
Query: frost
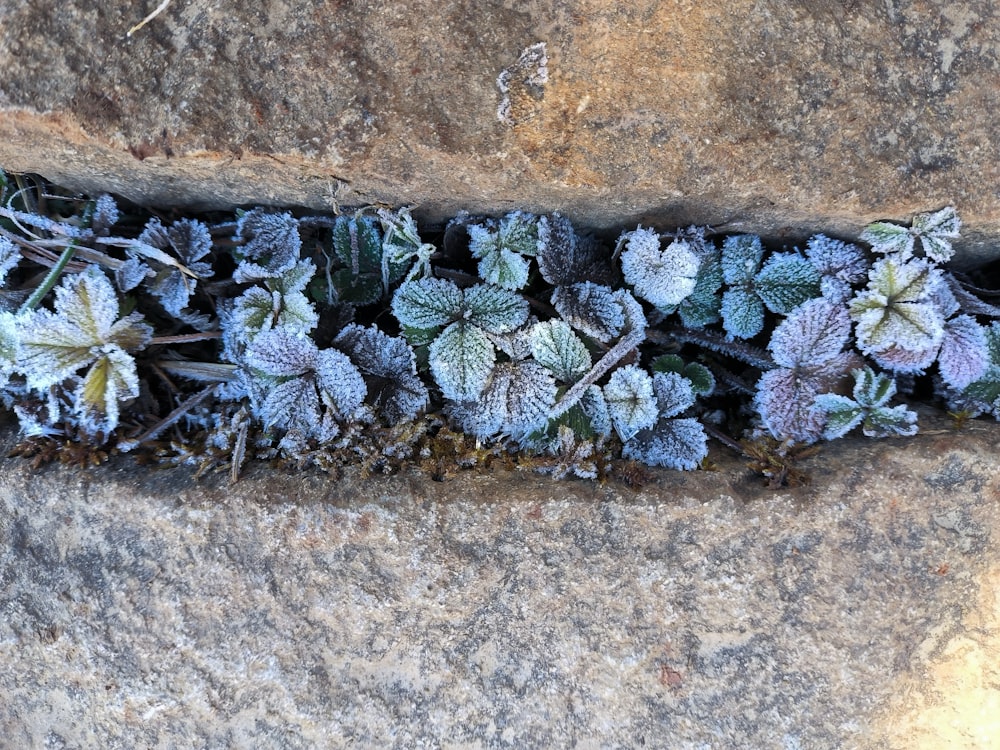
column 427, row 303
column 84, row 331
column 555, row 346
column 187, row 240
column 367, row 272
column 10, row 346
column 897, row 312
column 840, row 265
column 934, row 230
column 703, row 306
column 461, row 359
column 592, row 309
column 675, row 444
column 807, row 347
column 565, row 258
column 984, row 393
column 868, row 409
column 270, row 245
column 785, row 282
column 516, row 402
column 631, row 401
column 501, row 248
column 9, row 257
column 700, row 377
column 401, row 246
column 390, row 371
column 279, row 304
column 964, row 355
column 661, row 277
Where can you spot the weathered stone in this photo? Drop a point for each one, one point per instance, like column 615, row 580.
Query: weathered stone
column 140, row 609
column 761, row 115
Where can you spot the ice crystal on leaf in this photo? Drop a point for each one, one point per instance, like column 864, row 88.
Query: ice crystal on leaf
column 462, row 355
column 565, row 258
column 964, row 354
column 296, row 386
column 402, row 246
column 367, row 270
column 280, row 303
column 9, row 257
column 663, row 277
column 934, row 230
column 9, row 346
column 270, row 245
column 389, row 368
column 594, row 310
column 983, row 395
column 840, row 265
column 555, row 346
column 516, row 402
column 808, row 349
column 631, row 401
column 897, row 320
column 868, row 408
column 187, row 240
column 700, row 377
column 502, row 248
column 675, row 443
column 84, row 330
column 785, row 281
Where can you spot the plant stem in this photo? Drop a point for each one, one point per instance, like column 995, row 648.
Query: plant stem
column 49, row 281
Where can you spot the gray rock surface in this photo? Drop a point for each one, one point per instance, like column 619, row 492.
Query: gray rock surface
column 777, row 117
column 141, row 609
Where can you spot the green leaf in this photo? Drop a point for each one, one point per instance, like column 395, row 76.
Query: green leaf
column 461, row 360
column 786, row 281
column 555, row 346
column 494, row 309
column 427, row 303
column 888, row 238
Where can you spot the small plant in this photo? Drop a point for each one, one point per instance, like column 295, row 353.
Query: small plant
column 512, row 340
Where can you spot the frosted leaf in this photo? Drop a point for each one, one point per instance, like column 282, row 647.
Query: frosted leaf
column 699, row 377
column 591, row 309
column 814, row 332
column 785, row 282
column 461, row 360
column 742, row 313
column 281, row 353
column 564, row 258
column 890, row 239
column 985, row 392
column 500, row 248
column 868, row 408
column 289, row 405
column 784, row 401
column 494, row 309
column 595, row 407
column 555, row 346
column 964, row 356
column 840, row 265
column 936, row 230
column 390, row 371
column 516, row 402
column 340, row 383
column 703, row 306
column 427, row 303
column 10, row 346
column 631, row 400
column 741, row 256
column 674, row 394
column 130, row 274
column 367, row 271
column 187, row 240
column 271, row 245
column 54, row 345
column 111, row 378
column 10, row 254
column 673, row 443
column 401, row 246
column 896, row 309
column 661, row 277
column 906, row 361
column 105, row 214
column 258, row 310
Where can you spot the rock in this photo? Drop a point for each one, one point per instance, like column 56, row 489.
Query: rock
column 143, row 609
column 773, row 117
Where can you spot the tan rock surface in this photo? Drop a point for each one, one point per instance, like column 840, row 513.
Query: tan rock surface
column 767, row 116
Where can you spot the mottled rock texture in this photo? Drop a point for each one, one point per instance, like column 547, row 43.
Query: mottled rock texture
column 763, row 115
column 140, row 609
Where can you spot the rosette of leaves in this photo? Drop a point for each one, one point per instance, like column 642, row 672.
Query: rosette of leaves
column 663, row 276
column 186, row 240
column 84, row 330
column 783, row 282
column 808, row 349
column 671, row 441
column 457, row 324
column 389, row 368
column 270, row 244
column 504, row 247
column 366, row 273
column 867, row 409
column 935, row 231
column 295, row 386
column 905, row 320
column 279, row 303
